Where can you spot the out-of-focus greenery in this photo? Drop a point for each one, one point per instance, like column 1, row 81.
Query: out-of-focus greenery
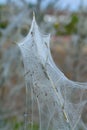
column 19, row 125
column 3, row 24
column 72, row 26
column 69, row 28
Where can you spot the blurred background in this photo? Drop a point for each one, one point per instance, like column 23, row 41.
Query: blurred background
column 66, row 20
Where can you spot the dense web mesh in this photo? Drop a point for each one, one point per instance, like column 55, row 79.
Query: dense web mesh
column 61, row 102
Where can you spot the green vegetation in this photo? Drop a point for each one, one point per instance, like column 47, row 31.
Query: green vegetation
column 17, row 125
column 4, row 24
column 67, row 29
column 72, row 26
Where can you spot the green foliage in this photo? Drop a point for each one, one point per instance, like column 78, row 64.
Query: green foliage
column 72, row 26
column 34, row 127
column 67, row 29
column 4, row 24
column 56, row 25
column 18, row 125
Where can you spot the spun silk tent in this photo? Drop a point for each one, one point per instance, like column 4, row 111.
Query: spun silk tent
column 60, row 101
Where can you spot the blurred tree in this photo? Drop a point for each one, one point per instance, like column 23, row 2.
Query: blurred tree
column 67, row 28
column 71, row 27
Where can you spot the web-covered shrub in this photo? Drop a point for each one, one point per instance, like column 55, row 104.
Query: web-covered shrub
column 60, row 101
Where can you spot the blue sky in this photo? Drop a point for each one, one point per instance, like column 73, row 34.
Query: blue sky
column 72, row 4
